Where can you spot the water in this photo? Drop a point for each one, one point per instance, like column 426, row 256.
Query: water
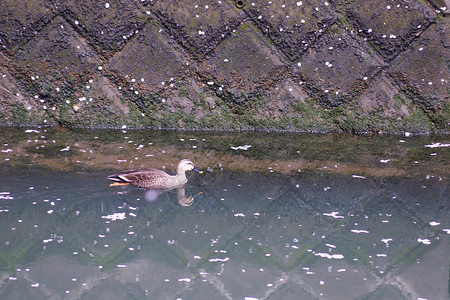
column 285, row 217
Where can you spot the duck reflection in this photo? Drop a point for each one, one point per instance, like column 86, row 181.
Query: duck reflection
column 183, row 200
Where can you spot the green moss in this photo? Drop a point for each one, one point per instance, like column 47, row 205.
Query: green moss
column 399, row 99
column 442, row 119
column 311, row 116
column 440, row 19
column 170, row 120
column 96, row 114
column 348, row 122
column 303, row 108
column 417, row 122
column 203, row 102
column 214, row 121
column 145, row 102
column 108, row 118
column 236, row 110
column 341, row 5
column 19, row 115
column 3, row 118
column 135, row 117
column 64, row 117
column 184, row 92
column 342, row 21
column 190, row 122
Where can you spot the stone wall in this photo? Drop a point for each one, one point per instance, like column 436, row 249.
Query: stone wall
column 312, row 65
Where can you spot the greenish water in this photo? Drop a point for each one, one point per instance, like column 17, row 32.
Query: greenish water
column 285, row 217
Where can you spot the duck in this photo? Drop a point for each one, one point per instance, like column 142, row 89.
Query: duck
column 154, row 179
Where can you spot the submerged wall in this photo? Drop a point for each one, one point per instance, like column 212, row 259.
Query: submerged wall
column 312, row 65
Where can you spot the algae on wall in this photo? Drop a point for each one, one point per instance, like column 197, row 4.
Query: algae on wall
column 297, row 66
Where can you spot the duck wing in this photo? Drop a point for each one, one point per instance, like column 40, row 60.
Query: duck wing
column 144, row 178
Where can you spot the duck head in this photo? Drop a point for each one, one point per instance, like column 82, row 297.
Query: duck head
column 187, row 165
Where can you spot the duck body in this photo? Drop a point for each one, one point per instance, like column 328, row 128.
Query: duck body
column 154, row 179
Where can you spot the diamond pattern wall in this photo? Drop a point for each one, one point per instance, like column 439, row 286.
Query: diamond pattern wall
column 221, row 59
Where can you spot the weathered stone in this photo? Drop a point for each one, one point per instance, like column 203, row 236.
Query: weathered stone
column 21, row 21
column 288, row 104
column 62, row 76
column 152, row 60
column 390, row 26
column 15, row 106
column 444, row 29
column 57, row 48
column 293, row 25
column 52, row 65
column 199, row 26
column 244, row 58
column 443, row 5
column 184, row 97
column 423, row 70
column 100, row 88
column 347, row 65
column 282, row 99
column 96, row 104
column 338, row 53
column 381, row 94
column 107, row 25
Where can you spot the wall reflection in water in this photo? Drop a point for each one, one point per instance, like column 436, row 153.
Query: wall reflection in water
column 225, row 235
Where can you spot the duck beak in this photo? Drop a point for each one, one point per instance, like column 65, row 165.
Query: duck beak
column 197, row 170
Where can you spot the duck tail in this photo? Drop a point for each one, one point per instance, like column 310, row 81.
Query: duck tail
column 119, row 178
column 114, row 177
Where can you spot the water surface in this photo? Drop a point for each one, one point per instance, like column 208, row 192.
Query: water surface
column 274, row 216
